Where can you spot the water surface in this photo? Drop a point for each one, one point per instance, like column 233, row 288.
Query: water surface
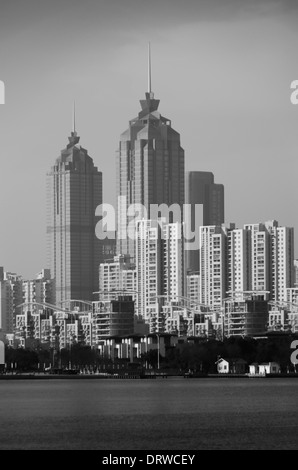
column 162, row 414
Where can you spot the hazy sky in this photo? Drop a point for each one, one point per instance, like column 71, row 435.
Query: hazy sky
column 221, row 68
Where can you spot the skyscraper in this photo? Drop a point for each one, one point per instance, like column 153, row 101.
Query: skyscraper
column 74, row 190
column 201, row 190
column 150, row 167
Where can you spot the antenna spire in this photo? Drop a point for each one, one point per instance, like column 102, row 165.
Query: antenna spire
column 74, row 116
column 149, row 68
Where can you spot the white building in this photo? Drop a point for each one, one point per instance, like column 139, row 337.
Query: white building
column 292, row 295
column 278, row 319
column 40, row 289
column 239, row 261
column 116, row 276
column 223, row 366
column 260, row 257
column 295, row 272
column 272, row 256
column 149, row 271
column 173, row 261
column 160, row 269
column 281, row 259
column 213, row 265
column 193, row 282
column 269, row 368
column 11, row 296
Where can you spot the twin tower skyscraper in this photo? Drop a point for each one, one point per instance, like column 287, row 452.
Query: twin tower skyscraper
column 150, row 167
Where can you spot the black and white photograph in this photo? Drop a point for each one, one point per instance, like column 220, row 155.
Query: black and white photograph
column 149, row 228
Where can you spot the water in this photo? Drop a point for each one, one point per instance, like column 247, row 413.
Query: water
column 162, row 414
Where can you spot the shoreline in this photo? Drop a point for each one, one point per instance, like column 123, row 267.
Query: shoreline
column 160, row 376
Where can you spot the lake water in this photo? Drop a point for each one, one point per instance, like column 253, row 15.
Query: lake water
column 161, row 414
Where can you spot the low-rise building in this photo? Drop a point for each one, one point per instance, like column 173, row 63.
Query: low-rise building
column 223, row 366
column 113, row 318
column 264, row 368
column 245, row 315
column 231, row 366
column 269, row 368
column 132, row 347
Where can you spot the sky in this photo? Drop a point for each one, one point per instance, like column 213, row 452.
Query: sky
column 222, row 70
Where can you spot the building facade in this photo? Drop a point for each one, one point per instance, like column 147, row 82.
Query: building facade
column 260, row 256
column 40, row 289
column 173, row 261
column 246, row 316
column 150, row 170
column 74, row 190
column 239, row 260
column 113, row 318
column 193, row 281
column 160, row 269
column 201, row 190
column 117, row 276
column 149, row 271
column 213, row 265
column 11, row 296
column 281, row 260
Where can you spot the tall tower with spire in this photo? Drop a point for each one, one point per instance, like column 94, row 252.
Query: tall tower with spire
column 74, row 190
column 149, row 165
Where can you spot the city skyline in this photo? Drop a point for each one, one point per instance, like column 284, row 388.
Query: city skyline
column 226, row 90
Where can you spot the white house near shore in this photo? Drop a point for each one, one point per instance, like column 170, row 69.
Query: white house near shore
column 265, row 368
column 231, row 366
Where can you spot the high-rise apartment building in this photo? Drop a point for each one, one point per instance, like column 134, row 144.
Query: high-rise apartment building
column 213, row 265
column 173, row 261
column 281, row 259
column 160, row 273
column 202, row 190
column 117, row 277
column 271, row 250
column 150, row 169
column 74, row 190
column 39, row 290
column 149, row 271
column 11, row 296
column 260, row 257
column 239, row 261
column 296, row 272
column 193, row 281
